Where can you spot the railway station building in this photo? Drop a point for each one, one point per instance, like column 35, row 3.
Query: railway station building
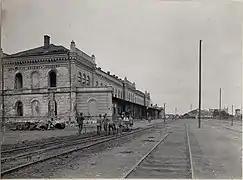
column 54, row 82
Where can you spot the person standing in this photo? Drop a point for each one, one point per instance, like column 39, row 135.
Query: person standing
column 120, row 124
column 80, row 121
column 99, row 124
column 105, row 123
column 130, row 122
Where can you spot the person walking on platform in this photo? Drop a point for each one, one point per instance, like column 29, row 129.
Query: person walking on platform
column 130, row 122
column 120, row 125
column 105, row 123
column 99, row 124
column 80, row 121
column 111, row 125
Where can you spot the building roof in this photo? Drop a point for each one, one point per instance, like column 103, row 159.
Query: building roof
column 51, row 49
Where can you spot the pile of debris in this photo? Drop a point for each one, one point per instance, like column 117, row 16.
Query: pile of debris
column 30, row 126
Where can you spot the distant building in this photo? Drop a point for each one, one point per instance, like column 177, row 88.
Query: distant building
column 237, row 112
column 194, row 114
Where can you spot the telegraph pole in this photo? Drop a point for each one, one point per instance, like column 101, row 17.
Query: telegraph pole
column 70, row 88
column 232, row 110
column 199, row 109
column 164, row 114
column 175, row 112
column 232, row 116
column 220, row 103
column 2, row 75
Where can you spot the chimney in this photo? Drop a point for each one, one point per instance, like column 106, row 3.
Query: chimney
column 72, row 46
column 108, row 72
column 46, row 41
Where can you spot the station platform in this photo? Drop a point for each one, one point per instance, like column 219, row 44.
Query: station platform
column 216, row 151
column 15, row 137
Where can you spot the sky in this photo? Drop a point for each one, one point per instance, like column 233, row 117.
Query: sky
column 153, row 43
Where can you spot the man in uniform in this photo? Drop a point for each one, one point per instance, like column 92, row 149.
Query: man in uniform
column 80, row 121
column 105, row 122
column 99, row 124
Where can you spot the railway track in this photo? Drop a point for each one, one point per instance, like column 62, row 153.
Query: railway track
column 231, row 129
column 169, row 158
column 14, row 163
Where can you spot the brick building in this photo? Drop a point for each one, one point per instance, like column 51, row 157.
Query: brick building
column 53, row 82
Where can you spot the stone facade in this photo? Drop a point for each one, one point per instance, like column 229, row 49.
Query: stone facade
column 55, row 82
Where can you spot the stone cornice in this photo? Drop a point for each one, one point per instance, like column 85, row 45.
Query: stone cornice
column 108, row 77
column 16, row 61
column 32, row 67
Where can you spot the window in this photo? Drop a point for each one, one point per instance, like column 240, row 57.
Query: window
column 19, row 108
column 118, row 93
column 52, row 79
column 80, row 77
column 115, row 92
column 97, row 83
column 18, row 81
column 101, row 84
column 88, row 80
column 84, row 79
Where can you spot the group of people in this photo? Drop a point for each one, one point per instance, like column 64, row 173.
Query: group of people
column 124, row 121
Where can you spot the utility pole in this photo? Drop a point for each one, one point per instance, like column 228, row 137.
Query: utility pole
column 175, row 112
column 220, row 103
column 232, row 110
column 232, row 119
column 199, row 109
column 2, row 76
column 70, row 88
column 164, row 114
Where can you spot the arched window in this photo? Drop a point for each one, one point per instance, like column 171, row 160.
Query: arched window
column 35, row 107
column 52, row 79
column 35, row 79
column 18, row 81
column 80, row 77
column 88, row 81
column 19, row 108
column 84, row 79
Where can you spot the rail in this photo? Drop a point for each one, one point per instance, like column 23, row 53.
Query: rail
column 149, row 152
column 190, row 152
column 65, row 152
